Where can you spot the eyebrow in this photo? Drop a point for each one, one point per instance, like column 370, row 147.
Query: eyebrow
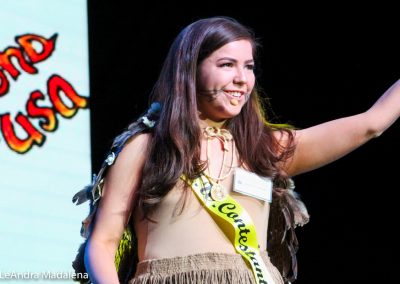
column 234, row 60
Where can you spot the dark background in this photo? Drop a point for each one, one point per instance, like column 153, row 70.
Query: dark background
column 318, row 63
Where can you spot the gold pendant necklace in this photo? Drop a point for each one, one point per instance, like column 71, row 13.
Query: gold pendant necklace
column 218, row 191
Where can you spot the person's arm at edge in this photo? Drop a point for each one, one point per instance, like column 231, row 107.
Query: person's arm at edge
column 114, row 209
column 324, row 143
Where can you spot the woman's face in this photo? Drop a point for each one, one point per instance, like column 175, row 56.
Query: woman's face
column 225, row 80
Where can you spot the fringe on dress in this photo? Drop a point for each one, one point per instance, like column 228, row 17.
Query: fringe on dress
column 201, row 268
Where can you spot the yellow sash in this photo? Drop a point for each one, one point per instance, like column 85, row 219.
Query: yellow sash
column 236, row 223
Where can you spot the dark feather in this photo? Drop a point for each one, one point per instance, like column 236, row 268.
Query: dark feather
column 287, row 212
column 82, row 195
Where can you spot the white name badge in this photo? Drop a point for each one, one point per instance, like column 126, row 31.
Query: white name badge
column 252, row 185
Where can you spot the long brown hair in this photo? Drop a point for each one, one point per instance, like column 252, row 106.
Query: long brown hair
column 175, row 143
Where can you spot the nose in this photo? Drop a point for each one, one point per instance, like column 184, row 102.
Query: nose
column 240, row 77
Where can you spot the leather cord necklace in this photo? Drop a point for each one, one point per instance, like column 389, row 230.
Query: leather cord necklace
column 218, row 191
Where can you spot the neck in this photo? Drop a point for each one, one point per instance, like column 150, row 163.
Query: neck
column 208, row 122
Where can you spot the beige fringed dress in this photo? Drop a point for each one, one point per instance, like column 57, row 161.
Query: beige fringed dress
column 189, row 247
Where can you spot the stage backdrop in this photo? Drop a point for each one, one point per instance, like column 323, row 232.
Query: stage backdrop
column 45, row 136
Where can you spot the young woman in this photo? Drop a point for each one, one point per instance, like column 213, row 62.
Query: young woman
column 207, row 146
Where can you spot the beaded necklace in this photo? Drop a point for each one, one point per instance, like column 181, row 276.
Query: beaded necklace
column 218, row 192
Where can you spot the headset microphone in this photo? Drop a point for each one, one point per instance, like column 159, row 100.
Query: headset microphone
column 234, row 102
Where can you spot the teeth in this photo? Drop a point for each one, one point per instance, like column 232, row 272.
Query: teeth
column 235, row 94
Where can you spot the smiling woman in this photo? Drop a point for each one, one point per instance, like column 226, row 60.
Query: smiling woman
column 203, row 180
column 226, row 80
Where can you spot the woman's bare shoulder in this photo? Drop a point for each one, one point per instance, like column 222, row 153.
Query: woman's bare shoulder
column 283, row 137
column 137, row 144
column 133, row 156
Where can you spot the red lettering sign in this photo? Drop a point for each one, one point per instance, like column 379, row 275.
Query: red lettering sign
column 26, row 56
column 62, row 97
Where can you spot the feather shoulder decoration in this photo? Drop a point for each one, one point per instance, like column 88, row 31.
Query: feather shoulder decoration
column 93, row 193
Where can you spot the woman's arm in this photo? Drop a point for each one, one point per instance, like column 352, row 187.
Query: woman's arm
column 114, row 210
column 327, row 142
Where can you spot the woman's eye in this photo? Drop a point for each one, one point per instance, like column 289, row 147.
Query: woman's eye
column 250, row 66
column 227, row 64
